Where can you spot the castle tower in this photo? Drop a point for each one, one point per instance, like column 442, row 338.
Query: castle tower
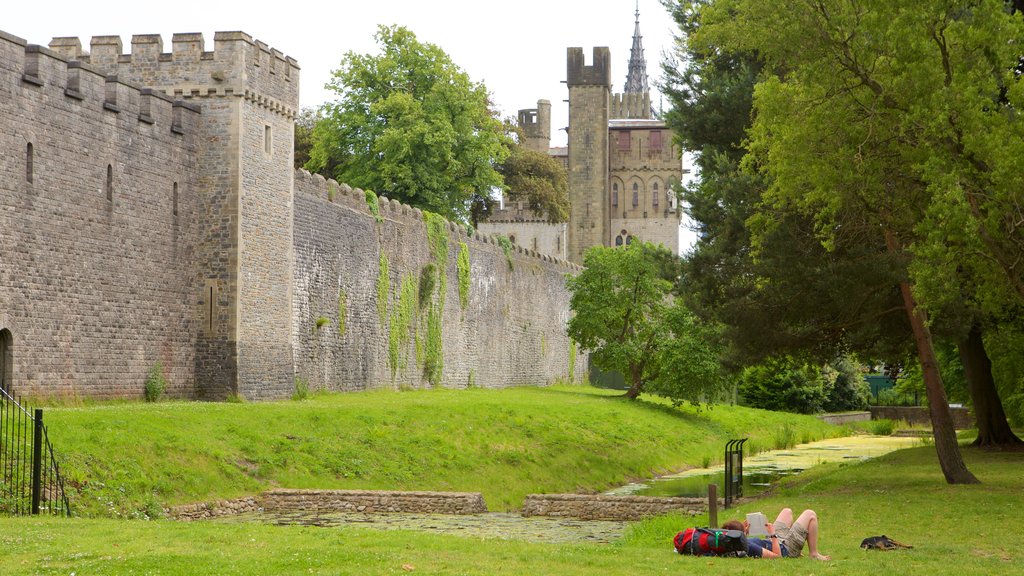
column 589, row 102
column 536, row 126
column 248, row 94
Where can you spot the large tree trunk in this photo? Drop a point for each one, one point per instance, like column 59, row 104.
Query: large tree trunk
column 636, row 383
column 993, row 429
column 946, row 446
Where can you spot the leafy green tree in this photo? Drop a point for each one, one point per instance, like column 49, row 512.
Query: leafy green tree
column 624, row 314
column 785, row 385
column 411, row 125
column 538, row 179
column 304, row 124
column 928, row 138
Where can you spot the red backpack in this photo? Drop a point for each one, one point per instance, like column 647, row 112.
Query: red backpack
column 710, row 542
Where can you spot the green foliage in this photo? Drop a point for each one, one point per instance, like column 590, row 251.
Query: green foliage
column 320, row 323
column 623, row 313
column 848, row 388
column 506, row 247
column 462, row 263
column 540, row 180
column 374, row 204
column 301, row 389
column 427, row 282
column 155, row 384
column 402, row 326
column 342, row 311
column 437, row 237
column 433, row 353
column 332, row 190
column 784, row 385
column 411, row 124
column 303, row 143
column 383, row 286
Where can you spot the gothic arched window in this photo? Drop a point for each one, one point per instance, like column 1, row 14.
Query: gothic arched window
column 636, row 194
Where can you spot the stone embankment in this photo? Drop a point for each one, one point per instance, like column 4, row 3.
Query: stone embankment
column 216, row 509
column 599, row 507
column 373, row 501
column 576, row 506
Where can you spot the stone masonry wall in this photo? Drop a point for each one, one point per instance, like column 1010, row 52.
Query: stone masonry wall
column 249, row 96
column 510, row 332
column 919, row 415
column 372, row 501
column 589, row 96
column 98, row 206
column 597, row 507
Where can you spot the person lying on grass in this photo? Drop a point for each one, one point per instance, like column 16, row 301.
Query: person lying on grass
column 786, row 539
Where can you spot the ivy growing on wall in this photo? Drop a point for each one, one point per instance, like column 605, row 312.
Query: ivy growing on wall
column 402, row 316
column 462, row 262
column 433, row 362
column 374, row 204
column 383, row 283
column 506, row 247
column 432, row 347
column 342, row 310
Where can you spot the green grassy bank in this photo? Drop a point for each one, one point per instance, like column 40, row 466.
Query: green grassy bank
column 961, row 530
column 132, row 459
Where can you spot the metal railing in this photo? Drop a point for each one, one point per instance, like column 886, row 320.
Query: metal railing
column 733, row 470
column 30, row 480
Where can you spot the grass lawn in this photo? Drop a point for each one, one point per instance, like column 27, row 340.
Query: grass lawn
column 959, row 530
column 129, row 460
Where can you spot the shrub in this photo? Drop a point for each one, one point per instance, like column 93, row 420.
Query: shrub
column 784, row 386
column 156, row 384
column 301, row 389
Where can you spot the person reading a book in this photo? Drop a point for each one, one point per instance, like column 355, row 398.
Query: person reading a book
column 786, row 539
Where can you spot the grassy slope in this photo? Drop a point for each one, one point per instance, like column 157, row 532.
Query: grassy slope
column 123, row 460
column 960, row 530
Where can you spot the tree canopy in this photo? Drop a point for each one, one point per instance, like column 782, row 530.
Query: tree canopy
column 410, row 125
column 538, row 179
column 625, row 315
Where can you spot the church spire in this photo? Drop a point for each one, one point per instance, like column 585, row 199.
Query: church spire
column 636, row 79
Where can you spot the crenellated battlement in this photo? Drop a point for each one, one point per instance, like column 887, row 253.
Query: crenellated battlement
column 238, row 66
column 635, row 105
column 599, row 73
column 331, row 191
column 90, row 88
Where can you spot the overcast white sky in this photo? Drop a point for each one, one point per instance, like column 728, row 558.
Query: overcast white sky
column 517, row 48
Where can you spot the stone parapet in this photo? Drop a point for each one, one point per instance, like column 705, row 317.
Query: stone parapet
column 599, row 507
column 838, row 419
column 962, row 419
column 373, row 502
column 216, row 509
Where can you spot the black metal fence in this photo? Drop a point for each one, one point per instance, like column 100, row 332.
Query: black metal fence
column 30, row 480
column 733, row 470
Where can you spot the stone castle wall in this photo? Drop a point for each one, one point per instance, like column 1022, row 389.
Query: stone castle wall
column 511, row 330
column 248, row 94
column 137, row 229
column 98, row 202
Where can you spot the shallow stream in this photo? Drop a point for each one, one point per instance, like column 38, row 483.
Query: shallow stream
column 762, row 470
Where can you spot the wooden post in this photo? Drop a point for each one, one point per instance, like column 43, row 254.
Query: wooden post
column 712, row 505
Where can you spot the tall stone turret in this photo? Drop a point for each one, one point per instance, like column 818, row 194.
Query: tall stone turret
column 248, row 94
column 589, row 99
column 636, row 78
column 536, row 126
